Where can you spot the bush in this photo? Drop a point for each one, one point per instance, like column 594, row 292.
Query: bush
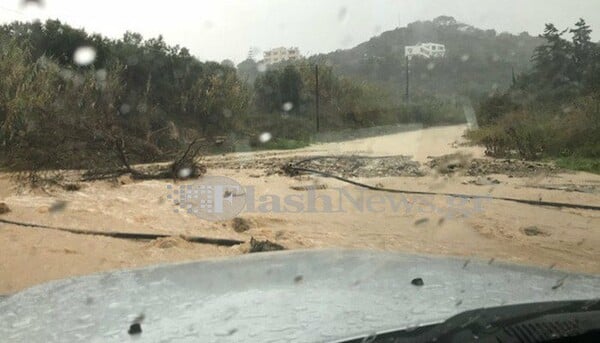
column 573, row 131
column 493, row 108
column 496, row 141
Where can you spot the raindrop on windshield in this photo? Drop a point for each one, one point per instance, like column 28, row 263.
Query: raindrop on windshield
column 226, row 113
column 265, row 137
column 84, row 55
column 101, row 75
column 342, row 14
column 465, row 57
column 287, row 106
column 430, row 66
column 261, row 67
column 37, row 3
column 124, row 109
column 32, row 8
column 184, row 173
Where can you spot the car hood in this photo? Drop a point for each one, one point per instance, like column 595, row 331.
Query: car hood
column 301, row 296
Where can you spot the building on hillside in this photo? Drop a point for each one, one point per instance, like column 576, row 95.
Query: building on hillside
column 425, row 50
column 281, row 54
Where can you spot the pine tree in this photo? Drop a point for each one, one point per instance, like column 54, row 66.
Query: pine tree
column 553, row 64
column 582, row 49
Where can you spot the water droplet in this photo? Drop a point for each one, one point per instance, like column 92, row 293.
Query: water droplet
column 132, row 60
column 38, row 3
column 465, row 57
column 184, row 173
column 226, row 113
column 261, row 67
column 124, row 109
column 287, row 106
column 430, row 66
column 84, row 55
column 101, row 75
column 347, row 41
column 342, row 14
column 32, row 9
column 265, row 137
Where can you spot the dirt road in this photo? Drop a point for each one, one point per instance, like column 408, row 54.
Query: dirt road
column 551, row 237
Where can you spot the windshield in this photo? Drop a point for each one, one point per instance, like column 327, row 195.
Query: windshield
column 135, row 134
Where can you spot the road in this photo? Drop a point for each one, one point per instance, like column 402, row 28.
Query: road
column 490, row 230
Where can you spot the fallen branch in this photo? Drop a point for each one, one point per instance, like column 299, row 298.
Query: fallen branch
column 293, row 170
column 130, row 235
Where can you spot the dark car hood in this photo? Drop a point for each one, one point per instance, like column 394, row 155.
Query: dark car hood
column 303, row 296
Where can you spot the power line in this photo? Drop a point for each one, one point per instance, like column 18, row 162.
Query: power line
column 12, row 10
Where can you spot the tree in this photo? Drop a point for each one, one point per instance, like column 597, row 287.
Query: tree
column 248, row 70
column 553, row 71
column 290, row 84
column 582, row 43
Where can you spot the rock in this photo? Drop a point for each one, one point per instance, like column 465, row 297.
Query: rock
column 4, row 208
column 71, row 187
column 534, row 231
column 240, row 224
column 43, row 209
column 124, row 179
column 260, row 246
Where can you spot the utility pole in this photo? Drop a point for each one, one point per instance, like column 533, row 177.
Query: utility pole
column 317, row 95
column 407, row 94
column 514, row 78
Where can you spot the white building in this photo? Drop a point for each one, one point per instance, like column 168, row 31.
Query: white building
column 425, row 50
column 281, row 54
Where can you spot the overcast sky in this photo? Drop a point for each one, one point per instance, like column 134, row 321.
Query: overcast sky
column 215, row 30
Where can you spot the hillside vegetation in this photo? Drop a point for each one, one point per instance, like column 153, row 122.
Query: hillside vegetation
column 553, row 111
column 477, row 61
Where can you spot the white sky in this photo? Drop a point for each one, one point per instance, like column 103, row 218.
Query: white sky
column 219, row 29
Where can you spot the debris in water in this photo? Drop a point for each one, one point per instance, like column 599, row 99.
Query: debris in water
column 421, row 221
column 4, row 208
column 240, row 224
column 309, row 187
column 534, row 231
column 261, row 246
column 71, row 187
column 58, row 206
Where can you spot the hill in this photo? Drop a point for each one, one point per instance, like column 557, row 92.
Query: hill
column 477, row 61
